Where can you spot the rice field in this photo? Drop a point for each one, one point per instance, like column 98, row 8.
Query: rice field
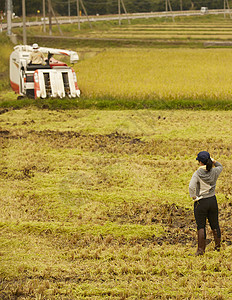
column 133, row 68
column 196, row 30
column 4, row 62
column 95, row 205
column 199, row 31
column 161, row 75
column 164, row 74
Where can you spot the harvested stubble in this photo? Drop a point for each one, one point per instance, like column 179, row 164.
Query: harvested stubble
column 96, row 209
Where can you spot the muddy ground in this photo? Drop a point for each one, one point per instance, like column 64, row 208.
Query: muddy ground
column 178, row 221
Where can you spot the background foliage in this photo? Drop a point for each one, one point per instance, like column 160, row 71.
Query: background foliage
column 111, row 6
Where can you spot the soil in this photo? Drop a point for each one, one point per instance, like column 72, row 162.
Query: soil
column 178, row 221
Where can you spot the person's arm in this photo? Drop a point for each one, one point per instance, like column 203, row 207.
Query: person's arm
column 193, row 186
column 30, row 58
column 43, row 58
column 218, row 166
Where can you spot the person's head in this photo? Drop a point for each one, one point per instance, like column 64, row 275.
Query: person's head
column 35, row 47
column 204, row 158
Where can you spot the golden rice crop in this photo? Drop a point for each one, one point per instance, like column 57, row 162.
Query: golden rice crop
column 158, row 74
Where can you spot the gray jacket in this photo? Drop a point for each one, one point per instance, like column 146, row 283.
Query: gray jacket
column 203, row 182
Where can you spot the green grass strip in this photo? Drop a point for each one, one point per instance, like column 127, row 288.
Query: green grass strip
column 126, row 231
column 118, row 104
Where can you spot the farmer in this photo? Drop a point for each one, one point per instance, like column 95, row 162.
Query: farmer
column 36, row 57
column 202, row 190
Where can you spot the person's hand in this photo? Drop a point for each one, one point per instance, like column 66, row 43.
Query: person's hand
column 196, row 198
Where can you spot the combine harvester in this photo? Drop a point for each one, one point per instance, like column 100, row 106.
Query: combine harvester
column 55, row 79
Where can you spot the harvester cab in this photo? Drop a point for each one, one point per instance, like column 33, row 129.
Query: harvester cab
column 54, row 79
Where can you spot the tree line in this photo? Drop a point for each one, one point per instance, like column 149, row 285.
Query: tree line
column 102, row 7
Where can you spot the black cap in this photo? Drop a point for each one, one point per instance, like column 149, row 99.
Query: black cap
column 203, row 156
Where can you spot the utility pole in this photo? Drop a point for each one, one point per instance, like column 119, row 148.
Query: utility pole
column 44, row 14
column 50, row 12
column 82, row 4
column 226, row 2
column 170, row 7
column 119, row 12
column 124, row 7
column 9, row 17
column 168, row 3
column 24, row 23
column 224, row 9
column 69, row 8
column 181, row 5
column 1, row 16
column 78, row 14
column 50, row 16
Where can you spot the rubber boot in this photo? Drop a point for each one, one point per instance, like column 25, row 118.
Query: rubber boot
column 217, row 240
column 201, row 242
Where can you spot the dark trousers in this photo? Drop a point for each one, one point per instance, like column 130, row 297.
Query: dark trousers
column 207, row 208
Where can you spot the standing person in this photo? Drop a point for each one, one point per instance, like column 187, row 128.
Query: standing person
column 202, row 190
column 36, row 57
